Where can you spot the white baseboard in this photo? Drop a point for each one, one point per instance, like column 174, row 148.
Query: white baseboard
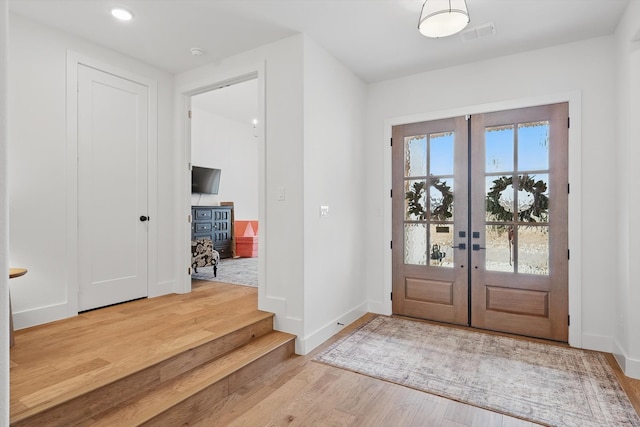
column 630, row 366
column 597, row 343
column 40, row 315
column 271, row 304
column 290, row 325
column 313, row 340
column 618, row 354
column 162, row 288
column 379, row 307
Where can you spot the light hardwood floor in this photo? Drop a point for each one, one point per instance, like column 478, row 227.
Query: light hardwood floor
column 304, row 392
column 54, row 363
column 296, row 392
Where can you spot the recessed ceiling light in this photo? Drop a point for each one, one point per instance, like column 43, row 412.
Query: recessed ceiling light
column 122, row 14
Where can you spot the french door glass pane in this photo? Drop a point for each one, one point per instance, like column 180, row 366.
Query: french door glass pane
column 533, row 198
column 415, row 156
column 415, row 200
column 499, row 149
column 533, row 249
column 499, row 248
column 415, row 244
column 441, row 154
column 500, row 201
column 441, row 238
column 441, row 199
column 533, row 146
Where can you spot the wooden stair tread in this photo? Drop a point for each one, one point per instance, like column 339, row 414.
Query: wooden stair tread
column 153, row 402
column 59, row 393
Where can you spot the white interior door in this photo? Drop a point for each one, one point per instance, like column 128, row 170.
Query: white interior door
column 112, row 188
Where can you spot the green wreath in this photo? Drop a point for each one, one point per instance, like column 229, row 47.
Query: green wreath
column 538, row 211
column 442, row 212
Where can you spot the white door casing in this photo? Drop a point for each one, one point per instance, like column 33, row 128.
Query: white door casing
column 112, row 188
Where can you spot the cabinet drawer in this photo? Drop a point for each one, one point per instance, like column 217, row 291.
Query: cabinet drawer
column 201, row 236
column 224, row 251
column 202, row 227
column 203, row 214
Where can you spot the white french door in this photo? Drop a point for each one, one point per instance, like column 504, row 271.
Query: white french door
column 112, row 188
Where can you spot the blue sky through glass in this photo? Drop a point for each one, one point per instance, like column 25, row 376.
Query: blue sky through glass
column 533, row 146
column 499, row 149
column 441, row 150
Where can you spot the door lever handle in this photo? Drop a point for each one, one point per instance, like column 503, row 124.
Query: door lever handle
column 477, row 247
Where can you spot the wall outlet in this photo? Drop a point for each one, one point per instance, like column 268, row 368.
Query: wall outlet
column 324, row 211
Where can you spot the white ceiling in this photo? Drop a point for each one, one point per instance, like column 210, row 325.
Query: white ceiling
column 377, row 39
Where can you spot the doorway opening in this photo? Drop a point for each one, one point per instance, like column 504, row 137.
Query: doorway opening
column 224, row 137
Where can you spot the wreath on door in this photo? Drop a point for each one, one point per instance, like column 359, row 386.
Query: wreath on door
column 441, row 212
column 537, row 211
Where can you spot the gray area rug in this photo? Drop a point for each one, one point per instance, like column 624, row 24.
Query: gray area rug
column 238, row 271
column 547, row 384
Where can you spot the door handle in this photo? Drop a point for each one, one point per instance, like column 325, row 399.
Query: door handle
column 477, row 247
column 460, row 246
column 144, row 218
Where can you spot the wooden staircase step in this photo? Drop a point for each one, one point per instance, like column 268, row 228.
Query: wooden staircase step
column 110, row 382
column 193, row 393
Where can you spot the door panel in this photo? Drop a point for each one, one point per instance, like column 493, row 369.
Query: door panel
column 484, row 218
column 429, row 273
column 519, row 279
column 112, row 188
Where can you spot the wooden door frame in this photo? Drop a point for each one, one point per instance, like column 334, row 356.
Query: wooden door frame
column 74, row 59
column 575, row 216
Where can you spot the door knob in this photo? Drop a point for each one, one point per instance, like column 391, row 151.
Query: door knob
column 144, row 218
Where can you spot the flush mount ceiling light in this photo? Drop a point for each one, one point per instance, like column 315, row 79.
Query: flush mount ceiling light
column 121, row 14
column 442, row 18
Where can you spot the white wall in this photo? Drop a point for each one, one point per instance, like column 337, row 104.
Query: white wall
column 334, row 246
column 38, row 169
column 280, row 74
column 627, row 319
column 311, row 269
column 4, row 221
column 229, row 145
column 587, row 68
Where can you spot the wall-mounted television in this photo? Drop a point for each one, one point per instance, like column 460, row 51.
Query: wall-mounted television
column 205, row 180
